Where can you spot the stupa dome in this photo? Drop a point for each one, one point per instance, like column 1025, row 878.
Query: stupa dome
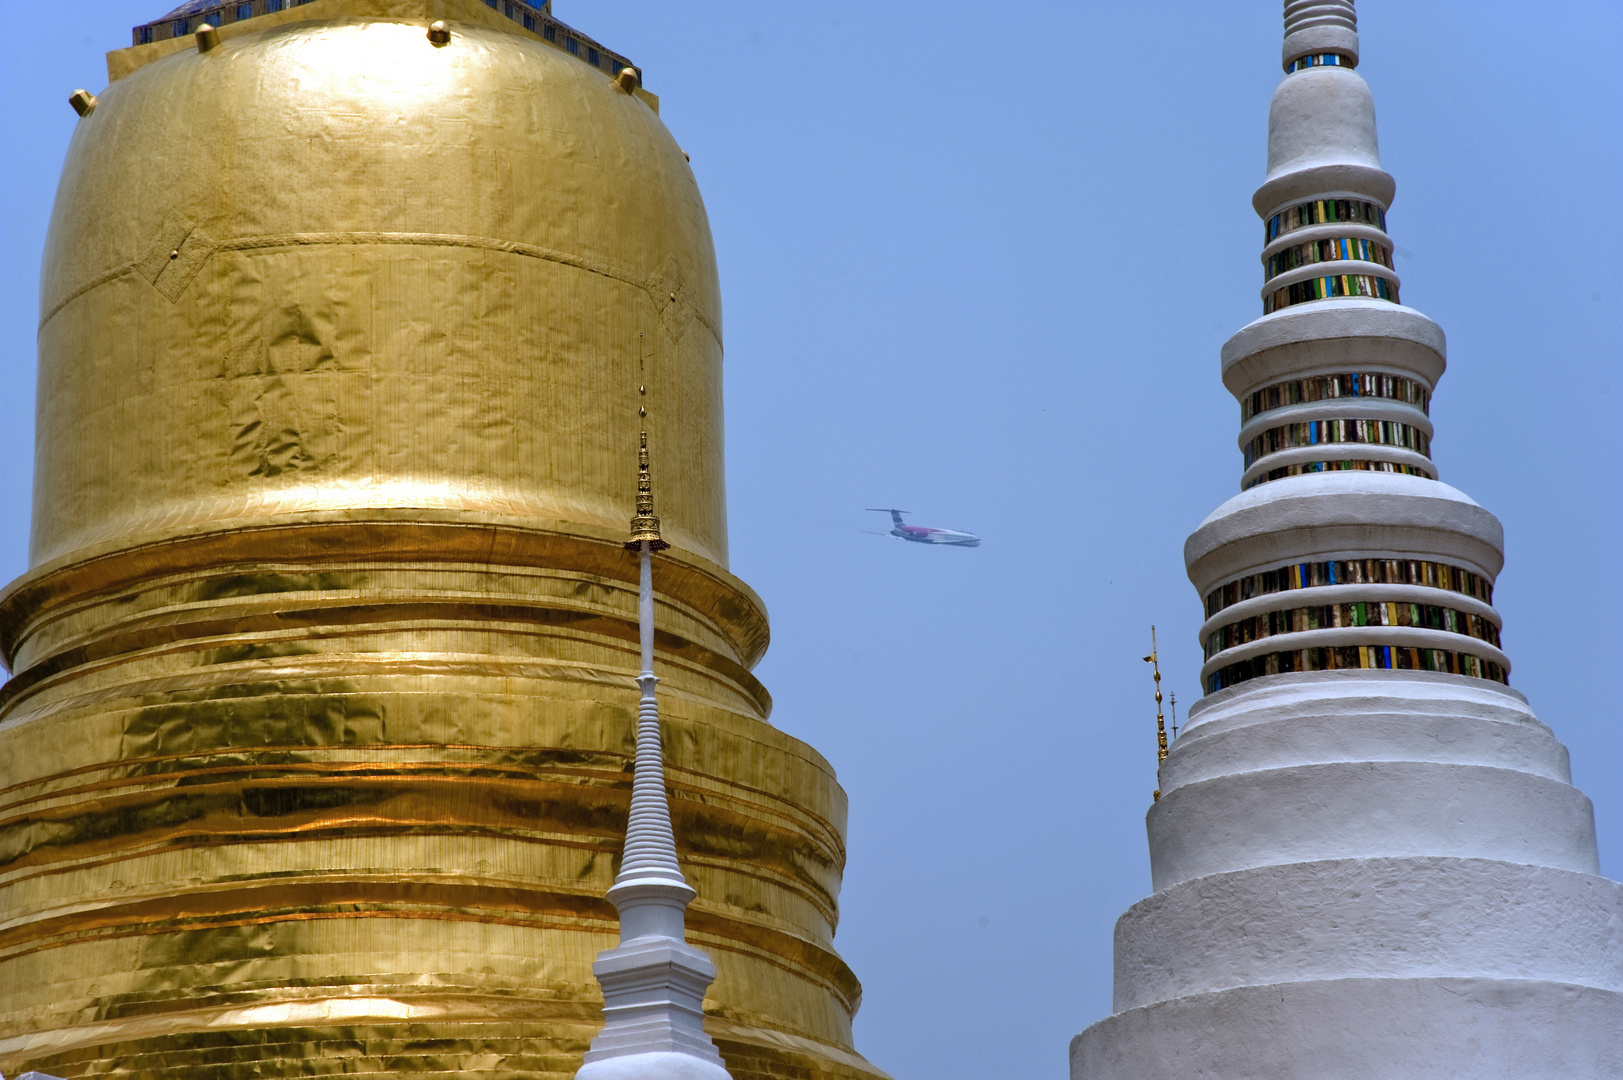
column 339, row 260
column 324, row 668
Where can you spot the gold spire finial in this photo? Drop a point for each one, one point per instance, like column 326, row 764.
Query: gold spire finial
column 1154, row 659
column 645, row 526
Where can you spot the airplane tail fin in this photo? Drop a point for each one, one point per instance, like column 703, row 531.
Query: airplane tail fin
column 895, row 515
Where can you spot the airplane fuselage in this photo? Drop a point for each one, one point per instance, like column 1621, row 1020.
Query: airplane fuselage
column 923, row 534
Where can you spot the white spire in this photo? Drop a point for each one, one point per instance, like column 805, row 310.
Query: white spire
column 654, row 982
column 650, row 851
column 1321, row 124
column 1368, row 857
column 1320, row 27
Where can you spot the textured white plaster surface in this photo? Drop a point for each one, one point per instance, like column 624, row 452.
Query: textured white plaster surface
column 1305, row 813
column 1334, row 716
column 1330, row 336
column 1311, row 692
column 655, row 1065
column 1364, row 1029
column 1325, row 116
column 1333, row 181
column 1320, row 28
column 1342, row 515
column 1319, row 39
column 1385, row 918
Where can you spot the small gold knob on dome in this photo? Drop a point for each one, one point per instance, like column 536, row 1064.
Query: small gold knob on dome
column 439, row 33
column 82, row 101
column 627, row 79
column 207, row 37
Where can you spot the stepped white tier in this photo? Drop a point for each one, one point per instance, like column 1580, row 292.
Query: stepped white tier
column 1368, row 857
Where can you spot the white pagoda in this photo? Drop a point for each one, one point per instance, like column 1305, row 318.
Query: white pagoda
column 1368, row 858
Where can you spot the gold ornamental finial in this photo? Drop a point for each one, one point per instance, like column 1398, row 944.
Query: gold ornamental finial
column 645, row 526
column 1154, row 659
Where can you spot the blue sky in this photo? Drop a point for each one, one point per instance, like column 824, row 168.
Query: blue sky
column 977, row 261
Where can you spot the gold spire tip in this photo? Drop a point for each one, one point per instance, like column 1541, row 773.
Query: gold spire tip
column 645, row 526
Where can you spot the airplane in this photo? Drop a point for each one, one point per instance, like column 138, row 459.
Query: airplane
column 923, row 534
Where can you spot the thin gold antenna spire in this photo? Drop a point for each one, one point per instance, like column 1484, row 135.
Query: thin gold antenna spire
column 1154, row 659
column 1172, row 699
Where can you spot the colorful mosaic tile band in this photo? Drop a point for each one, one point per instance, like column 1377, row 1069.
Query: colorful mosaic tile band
column 1323, row 212
column 1302, row 63
column 1330, row 432
column 1360, row 613
column 1328, row 288
column 1337, row 658
column 1335, row 387
column 1305, row 467
column 1310, row 575
column 1328, row 250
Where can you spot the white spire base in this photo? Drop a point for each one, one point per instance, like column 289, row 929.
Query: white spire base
column 654, row 1065
column 653, row 1008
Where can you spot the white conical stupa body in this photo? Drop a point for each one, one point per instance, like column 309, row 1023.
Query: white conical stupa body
column 1368, row 857
column 654, row 981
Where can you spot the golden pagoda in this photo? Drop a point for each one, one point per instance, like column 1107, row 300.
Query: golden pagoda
column 317, row 753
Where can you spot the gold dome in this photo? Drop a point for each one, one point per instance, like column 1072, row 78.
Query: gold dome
column 329, row 265
column 317, row 752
